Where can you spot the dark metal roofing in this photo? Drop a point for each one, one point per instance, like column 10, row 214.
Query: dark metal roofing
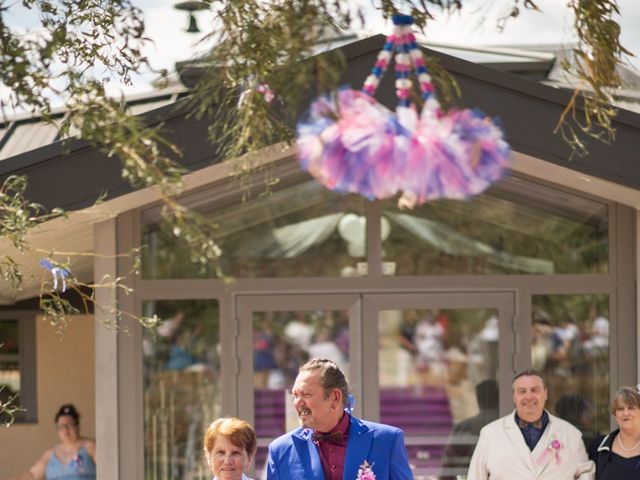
column 25, row 132
column 71, row 174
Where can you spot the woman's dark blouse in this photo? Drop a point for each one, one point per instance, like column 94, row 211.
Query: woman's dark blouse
column 620, row 468
column 610, row 465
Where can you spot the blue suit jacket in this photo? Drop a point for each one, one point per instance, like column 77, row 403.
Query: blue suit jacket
column 294, row 456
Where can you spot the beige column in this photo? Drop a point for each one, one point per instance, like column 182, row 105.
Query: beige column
column 106, row 355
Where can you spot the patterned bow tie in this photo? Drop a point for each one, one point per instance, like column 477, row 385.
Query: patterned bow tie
column 524, row 424
column 334, row 437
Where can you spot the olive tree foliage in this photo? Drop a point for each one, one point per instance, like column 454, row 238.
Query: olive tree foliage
column 258, row 45
column 266, row 42
column 78, row 46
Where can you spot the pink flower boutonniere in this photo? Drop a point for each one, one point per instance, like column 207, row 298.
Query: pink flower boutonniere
column 553, row 448
column 365, row 472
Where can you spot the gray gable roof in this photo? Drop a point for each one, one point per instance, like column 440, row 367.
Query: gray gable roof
column 70, row 174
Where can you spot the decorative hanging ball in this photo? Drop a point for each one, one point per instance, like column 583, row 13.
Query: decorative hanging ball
column 353, row 144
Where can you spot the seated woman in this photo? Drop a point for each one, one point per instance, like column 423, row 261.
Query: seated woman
column 72, row 459
column 229, row 446
column 617, row 455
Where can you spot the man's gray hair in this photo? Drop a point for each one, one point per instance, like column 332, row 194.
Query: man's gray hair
column 331, row 376
column 529, row 372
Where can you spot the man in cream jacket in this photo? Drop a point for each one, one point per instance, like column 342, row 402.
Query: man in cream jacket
column 530, row 443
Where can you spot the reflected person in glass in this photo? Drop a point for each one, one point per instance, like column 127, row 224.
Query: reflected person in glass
column 330, row 443
column 72, row 459
column 580, row 412
column 617, row 455
column 462, row 439
column 229, row 446
column 530, row 443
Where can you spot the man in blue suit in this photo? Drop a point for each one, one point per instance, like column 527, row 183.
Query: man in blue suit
column 330, row 444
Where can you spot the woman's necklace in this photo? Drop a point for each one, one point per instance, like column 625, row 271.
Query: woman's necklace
column 625, row 448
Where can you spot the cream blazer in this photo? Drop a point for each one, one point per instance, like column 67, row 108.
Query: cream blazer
column 502, row 453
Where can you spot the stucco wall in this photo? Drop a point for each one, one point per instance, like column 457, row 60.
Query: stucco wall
column 65, row 367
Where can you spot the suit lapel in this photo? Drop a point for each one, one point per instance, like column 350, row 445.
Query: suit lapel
column 541, row 455
column 308, row 454
column 358, row 447
column 519, row 445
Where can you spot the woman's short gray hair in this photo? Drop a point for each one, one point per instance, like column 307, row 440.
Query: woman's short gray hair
column 627, row 397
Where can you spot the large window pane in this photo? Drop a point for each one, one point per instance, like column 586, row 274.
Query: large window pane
column 181, row 387
column 438, row 383
column 570, row 347
column 282, row 342
column 301, row 231
column 516, row 227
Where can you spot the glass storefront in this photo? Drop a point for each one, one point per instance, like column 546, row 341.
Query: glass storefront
column 570, row 347
column 516, row 227
column 440, row 371
column 438, row 379
column 181, row 387
column 282, row 341
column 302, row 231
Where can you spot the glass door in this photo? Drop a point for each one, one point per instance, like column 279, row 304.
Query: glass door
column 278, row 333
column 429, row 363
column 438, row 366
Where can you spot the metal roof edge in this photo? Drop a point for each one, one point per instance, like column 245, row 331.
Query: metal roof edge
column 75, row 145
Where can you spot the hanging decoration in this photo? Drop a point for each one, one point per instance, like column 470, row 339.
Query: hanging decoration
column 353, row 144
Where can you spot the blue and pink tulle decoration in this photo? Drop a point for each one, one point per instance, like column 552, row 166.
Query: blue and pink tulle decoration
column 353, row 144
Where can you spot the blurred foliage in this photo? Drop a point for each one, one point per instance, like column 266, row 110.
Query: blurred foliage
column 74, row 47
column 9, row 409
column 17, row 217
column 596, row 58
column 9, row 404
column 58, row 306
column 272, row 43
column 68, row 56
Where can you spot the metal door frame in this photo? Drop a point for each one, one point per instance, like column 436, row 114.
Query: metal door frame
column 363, row 311
column 503, row 301
column 247, row 305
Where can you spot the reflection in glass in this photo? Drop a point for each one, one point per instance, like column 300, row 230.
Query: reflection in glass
column 515, row 227
column 570, row 347
column 438, row 383
column 181, row 387
column 282, row 342
column 301, row 231
column 9, row 364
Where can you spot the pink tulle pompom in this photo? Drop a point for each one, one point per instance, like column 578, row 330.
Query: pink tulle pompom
column 456, row 155
column 350, row 144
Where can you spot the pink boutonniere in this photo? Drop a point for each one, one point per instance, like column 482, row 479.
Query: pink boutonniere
column 553, row 448
column 365, row 472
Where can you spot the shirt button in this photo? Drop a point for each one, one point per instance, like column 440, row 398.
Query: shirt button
column 334, row 467
column 331, row 450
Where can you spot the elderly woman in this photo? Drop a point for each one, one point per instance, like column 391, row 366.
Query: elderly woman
column 229, row 446
column 72, row 459
column 617, row 455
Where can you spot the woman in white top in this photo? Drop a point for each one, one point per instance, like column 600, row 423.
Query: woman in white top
column 229, row 446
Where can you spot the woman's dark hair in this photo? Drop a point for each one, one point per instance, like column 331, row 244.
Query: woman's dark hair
column 70, row 411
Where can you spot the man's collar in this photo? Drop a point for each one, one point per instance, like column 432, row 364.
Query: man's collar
column 538, row 424
column 342, row 425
